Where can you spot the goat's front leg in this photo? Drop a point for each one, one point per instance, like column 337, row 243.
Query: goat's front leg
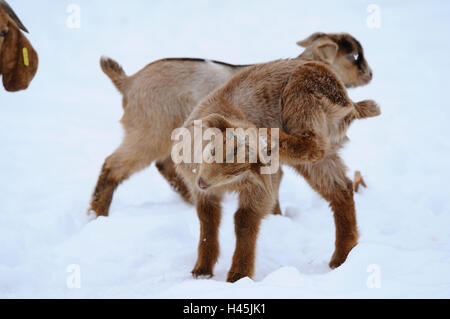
column 209, row 212
column 366, row 109
column 276, row 182
column 254, row 204
column 308, row 147
column 247, row 223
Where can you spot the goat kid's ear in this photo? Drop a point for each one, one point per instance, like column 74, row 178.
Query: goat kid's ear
column 19, row 61
column 310, row 40
column 326, row 52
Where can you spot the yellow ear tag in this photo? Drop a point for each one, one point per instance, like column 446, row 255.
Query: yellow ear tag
column 26, row 60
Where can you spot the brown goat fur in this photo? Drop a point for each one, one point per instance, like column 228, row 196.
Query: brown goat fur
column 258, row 193
column 18, row 59
column 300, row 98
column 160, row 97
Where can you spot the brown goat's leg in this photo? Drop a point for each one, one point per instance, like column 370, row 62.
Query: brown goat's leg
column 247, row 223
column 209, row 212
column 329, row 180
column 254, row 204
column 276, row 182
column 167, row 170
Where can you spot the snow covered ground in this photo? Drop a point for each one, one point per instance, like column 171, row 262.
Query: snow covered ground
column 55, row 136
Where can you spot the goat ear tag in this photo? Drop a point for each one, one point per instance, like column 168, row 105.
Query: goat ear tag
column 26, row 60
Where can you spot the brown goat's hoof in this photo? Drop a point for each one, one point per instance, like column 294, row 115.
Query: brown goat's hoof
column 338, row 260
column 202, row 272
column 359, row 181
column 277, row 211
column 91, row 215
column 341, row 255
column 235, row 276
column 336, row 263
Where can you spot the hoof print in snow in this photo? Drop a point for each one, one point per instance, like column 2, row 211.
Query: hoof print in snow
column 292, row 213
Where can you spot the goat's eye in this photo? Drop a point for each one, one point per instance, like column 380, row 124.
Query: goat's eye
column 353, row 57
column 3, row 33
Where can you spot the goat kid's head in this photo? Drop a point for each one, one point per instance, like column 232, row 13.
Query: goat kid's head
column 342, row 53
column 232, row 157
column 18, row 59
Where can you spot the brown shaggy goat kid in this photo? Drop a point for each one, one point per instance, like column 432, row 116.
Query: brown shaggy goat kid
column 160, row 97
column 258, row 192
column 299, row 97
column 18, row 59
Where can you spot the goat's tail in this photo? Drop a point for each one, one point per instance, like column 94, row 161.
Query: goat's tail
column 115, row 72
